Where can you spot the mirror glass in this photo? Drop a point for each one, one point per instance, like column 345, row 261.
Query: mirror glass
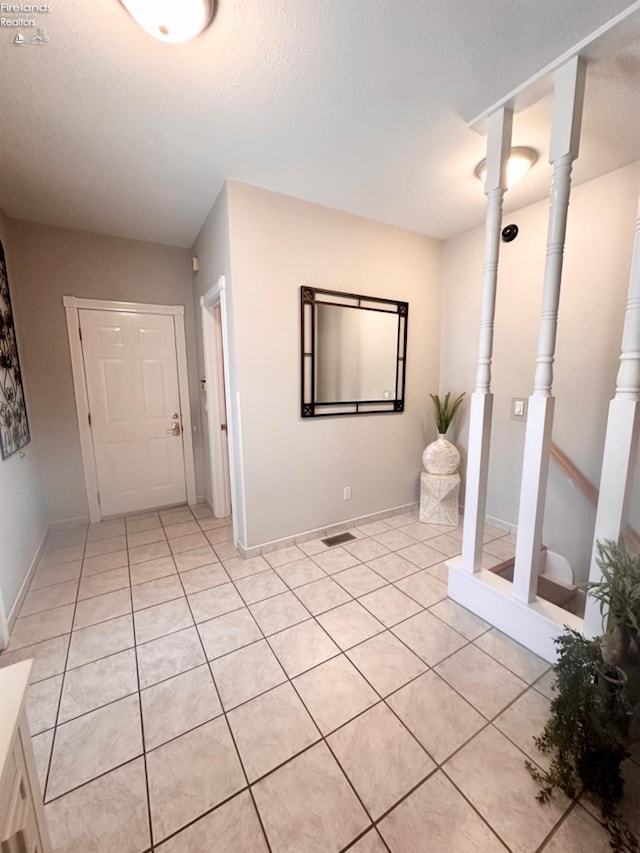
column 356, row 354
column 353, row 353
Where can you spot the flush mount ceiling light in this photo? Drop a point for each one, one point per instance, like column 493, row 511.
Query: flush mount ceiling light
column 171, row 21
column 520, row 161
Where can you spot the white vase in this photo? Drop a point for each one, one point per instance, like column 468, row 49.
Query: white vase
column 441, row 457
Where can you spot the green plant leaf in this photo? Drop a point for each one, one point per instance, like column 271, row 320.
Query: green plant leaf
column 445, row 410
column 587, row 732
column 618, row 589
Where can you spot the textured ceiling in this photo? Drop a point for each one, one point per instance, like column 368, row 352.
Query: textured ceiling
column 360, row 105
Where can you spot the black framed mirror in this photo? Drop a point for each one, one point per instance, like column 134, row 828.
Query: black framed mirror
column 353, row 353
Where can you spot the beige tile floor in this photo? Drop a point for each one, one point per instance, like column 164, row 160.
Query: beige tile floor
column 313, row 699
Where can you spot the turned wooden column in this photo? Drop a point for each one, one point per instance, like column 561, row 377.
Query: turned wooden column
column 565, row 142
column 498, row 149
column 621, row 438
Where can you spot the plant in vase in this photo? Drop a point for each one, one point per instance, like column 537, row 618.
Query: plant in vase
column 618, row 592
column 441, row 456
column 588, row 732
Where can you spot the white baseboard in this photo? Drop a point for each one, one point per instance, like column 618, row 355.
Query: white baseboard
column 503, row 525
column 24, row 588
column 330, row 530
column 68, row 523
column 496, row 522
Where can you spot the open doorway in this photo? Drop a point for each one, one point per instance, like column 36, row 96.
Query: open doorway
column 215, row 344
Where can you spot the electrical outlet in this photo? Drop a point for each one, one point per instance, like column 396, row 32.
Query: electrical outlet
column 347, row 493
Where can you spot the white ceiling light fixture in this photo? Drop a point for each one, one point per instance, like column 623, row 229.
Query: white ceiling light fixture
column 520, row 161
column 171, row 21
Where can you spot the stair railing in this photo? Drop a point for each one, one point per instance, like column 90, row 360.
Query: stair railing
column 584, row 485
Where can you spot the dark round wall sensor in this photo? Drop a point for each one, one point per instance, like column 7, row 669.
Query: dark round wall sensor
column 509, row 233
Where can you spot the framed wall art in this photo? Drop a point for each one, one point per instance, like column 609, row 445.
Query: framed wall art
column 14, row 426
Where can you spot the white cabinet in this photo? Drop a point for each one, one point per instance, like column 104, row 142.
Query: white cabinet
column 22, row 822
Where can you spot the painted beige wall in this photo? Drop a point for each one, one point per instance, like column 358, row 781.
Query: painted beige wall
column 49, row 263
column 295, row 470
column 22, row 518
column 596, row 271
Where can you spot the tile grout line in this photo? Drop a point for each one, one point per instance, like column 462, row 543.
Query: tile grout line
column 573, row 805
column 64, row 672
column 382, row 700
column 247, row 604
column 340, row 651
column 307, row 556
column 438, row 766
column 343, row 652
column 269, row 689
column 323, row 739
column 374, row 831
column 311, row 615
column 487, row 723
column 142, row 734
column 77, row 787
column 229, row 729
column 100, row 775
column 289, row 680
column 490, row 723
column 424, row 608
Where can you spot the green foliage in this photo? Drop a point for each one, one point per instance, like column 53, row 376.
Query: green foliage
column 619, row 589
column 445, row 410
column 587, row 732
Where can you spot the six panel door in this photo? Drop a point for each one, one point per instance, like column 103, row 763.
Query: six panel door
column 132, row 383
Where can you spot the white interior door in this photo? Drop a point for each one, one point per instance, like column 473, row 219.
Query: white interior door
column 131, row 374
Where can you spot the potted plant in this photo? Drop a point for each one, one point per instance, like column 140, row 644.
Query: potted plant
column 618, row 592
column 587, row 732
column 441, row 456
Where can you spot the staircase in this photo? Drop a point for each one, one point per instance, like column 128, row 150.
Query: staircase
column 561, row 593
column 555, row 582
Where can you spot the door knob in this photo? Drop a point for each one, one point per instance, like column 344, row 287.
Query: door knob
column 174, row 429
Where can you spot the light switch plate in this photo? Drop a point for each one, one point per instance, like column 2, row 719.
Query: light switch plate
column 518, row 408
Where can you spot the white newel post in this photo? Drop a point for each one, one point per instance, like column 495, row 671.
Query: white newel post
column 565, row 141
column 621, row 438
column 498, row 150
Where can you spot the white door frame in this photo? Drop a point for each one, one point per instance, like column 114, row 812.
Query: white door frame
column 72, row 305
column 217, row 295
column 4, row 625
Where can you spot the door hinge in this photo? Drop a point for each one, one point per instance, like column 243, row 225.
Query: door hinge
column 98, row 498
column 223, row 427
column 89, row 418
column 80, row 332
